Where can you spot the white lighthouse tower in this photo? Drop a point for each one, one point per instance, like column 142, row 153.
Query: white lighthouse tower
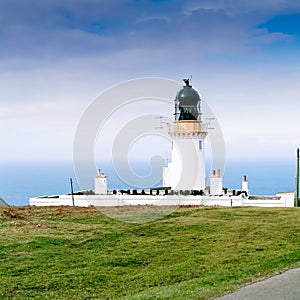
column 186, row 171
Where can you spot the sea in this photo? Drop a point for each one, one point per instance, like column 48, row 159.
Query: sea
column 20, row 181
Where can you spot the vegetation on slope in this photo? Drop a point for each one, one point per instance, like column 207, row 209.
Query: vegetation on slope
column 194, row 253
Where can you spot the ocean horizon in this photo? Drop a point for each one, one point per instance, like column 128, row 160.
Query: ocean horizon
column 19, row 182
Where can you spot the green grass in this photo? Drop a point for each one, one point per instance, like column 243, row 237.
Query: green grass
column 194, row 253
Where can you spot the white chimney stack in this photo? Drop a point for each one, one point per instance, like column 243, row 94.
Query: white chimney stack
column 100, row 183
column 216, row 183
column 245, row 186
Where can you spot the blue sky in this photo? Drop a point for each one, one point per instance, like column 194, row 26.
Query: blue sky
column 57, row 56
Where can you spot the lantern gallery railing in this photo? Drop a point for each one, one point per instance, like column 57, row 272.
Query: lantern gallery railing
column 188, row 127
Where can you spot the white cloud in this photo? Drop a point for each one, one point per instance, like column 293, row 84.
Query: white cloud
column 266, row 37
column 244, row 7
column 57, row 56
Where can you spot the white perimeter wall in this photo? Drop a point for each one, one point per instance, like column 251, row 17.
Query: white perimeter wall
column 285, row 200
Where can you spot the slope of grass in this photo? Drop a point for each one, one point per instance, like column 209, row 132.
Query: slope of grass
column 194, row 253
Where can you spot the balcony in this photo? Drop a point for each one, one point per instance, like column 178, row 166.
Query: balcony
column 188, row 127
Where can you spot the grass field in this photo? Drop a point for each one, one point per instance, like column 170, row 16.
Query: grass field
column 194, row 253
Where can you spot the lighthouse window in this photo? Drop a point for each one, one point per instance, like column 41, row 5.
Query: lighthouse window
column 200, row 145
column 188, row 113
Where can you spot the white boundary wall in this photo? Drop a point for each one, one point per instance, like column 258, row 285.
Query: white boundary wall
column 279, row 200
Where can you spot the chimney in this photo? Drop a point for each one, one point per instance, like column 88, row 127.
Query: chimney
column 216, row 183
column 245, row 186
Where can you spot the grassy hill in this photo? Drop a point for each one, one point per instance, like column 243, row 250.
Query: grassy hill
column 194, row 253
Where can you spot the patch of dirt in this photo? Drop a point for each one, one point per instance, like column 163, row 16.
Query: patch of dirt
column 33, row 212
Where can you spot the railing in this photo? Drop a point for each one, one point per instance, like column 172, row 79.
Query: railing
column 188, row 127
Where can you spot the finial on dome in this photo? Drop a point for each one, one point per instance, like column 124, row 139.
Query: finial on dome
column 187, row 82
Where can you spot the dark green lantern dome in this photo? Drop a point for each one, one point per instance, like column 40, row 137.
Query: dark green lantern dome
column 188, row 96
column 187, row 103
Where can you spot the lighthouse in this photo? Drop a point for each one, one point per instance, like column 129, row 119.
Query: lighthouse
column 186, row 170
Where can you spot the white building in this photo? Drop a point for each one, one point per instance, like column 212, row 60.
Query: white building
column 186, row 171
column 183, row 177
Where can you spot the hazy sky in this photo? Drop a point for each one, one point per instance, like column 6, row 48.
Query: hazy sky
column 57, row 56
